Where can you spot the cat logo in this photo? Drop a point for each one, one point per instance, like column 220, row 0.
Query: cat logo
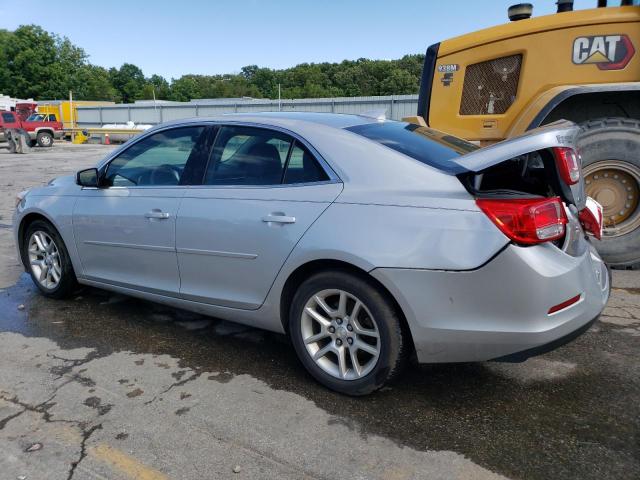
column 608, row 52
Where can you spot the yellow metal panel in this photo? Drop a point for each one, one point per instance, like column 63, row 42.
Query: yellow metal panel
column 546, row 65
column 557, row 21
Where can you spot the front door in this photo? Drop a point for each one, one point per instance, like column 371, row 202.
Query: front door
column 125, row 230
column 263, row 191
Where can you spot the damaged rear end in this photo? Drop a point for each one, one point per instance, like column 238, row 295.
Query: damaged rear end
column 544, row 288
column 532, row 188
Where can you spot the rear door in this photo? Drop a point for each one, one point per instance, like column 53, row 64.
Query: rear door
column 262, row 190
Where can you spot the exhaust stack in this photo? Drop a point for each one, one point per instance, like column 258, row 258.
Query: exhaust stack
column 565, row 6
column 520, row 11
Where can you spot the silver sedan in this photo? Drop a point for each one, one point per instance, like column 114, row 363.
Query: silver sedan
column 366, row 241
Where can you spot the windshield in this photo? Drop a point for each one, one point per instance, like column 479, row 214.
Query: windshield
column 35, row 118
column 426, row 145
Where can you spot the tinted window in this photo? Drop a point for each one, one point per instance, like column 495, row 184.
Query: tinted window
column 8, row 117
column 303, row 167
column 426, row 145
column 159, row 159
column 248, row 156
column 52, row 118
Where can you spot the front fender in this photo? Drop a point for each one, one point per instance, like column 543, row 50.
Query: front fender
column 57, row 210
column 537, row 110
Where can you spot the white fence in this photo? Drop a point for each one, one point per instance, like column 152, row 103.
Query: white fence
column 396, row 106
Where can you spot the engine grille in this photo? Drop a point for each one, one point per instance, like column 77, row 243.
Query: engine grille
column 490, row 87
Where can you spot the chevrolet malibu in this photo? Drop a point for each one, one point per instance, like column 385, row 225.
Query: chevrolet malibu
column 367, row 241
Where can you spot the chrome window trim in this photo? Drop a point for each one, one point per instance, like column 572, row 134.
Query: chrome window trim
column 275, row 185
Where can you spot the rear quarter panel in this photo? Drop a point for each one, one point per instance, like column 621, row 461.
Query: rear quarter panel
column 373, row 236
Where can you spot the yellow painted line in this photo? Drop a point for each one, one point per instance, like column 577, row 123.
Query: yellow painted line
column 126, row 464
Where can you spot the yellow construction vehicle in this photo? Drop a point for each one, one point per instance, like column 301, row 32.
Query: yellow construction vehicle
column 582, row 66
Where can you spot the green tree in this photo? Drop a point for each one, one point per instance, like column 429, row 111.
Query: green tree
column 35, row 63
column 185, row 88
column 92, row 83
column 399, row 82
column 128, row 81
column 6, row 38
column 160, row 86
column 39, row 63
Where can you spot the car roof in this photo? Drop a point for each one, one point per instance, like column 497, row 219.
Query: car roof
column 283, row 119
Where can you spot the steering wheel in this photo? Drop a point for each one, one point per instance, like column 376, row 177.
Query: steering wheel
column 165, row 175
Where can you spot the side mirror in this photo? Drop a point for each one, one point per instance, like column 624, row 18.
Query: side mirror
column 87, row 177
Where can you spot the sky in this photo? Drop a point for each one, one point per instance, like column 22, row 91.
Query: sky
column 176, row 37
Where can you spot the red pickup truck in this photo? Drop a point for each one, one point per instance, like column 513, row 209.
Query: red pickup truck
column 42, row 129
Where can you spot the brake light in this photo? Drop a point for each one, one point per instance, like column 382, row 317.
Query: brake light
column 568, row 164
column 591, row 218
column 527, row 221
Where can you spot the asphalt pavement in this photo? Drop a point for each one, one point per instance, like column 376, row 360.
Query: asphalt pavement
column 105, row 386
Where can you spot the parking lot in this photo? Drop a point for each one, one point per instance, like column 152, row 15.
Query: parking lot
column 105, row 386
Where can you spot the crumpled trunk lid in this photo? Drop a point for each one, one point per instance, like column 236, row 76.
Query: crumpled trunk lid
column 524, row 165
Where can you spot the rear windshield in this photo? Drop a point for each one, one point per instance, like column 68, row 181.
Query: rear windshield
column 426, row 145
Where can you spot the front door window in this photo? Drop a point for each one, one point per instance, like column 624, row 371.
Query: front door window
column 158, row 160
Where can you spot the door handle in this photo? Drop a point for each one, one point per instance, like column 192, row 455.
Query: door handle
column 278, row 218
column 157, row 214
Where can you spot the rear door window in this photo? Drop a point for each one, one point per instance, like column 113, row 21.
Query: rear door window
column 248, row 156
column 302, row 167
column 260, row 156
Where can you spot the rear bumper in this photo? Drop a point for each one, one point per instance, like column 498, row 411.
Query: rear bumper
column 500, row 311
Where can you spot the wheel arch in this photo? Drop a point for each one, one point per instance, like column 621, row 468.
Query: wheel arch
column 589, row 102
column 25, row 221
column 306, row 270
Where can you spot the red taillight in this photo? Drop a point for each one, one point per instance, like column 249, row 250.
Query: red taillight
column 528, row 221
column 591, row 218
column 568, row 164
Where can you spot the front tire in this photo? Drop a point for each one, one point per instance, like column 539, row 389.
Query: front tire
column 610, row 150
column 47, row 259
column 346, row 332
column 44, row 139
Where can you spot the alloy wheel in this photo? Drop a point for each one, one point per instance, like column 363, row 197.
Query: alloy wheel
column 44, row 258
column 340, row 334
column 616, row 186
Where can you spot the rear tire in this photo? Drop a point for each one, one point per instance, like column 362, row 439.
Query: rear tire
column 47, row 260
column 44, row 139
column 610, row 150
column 370, row 336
